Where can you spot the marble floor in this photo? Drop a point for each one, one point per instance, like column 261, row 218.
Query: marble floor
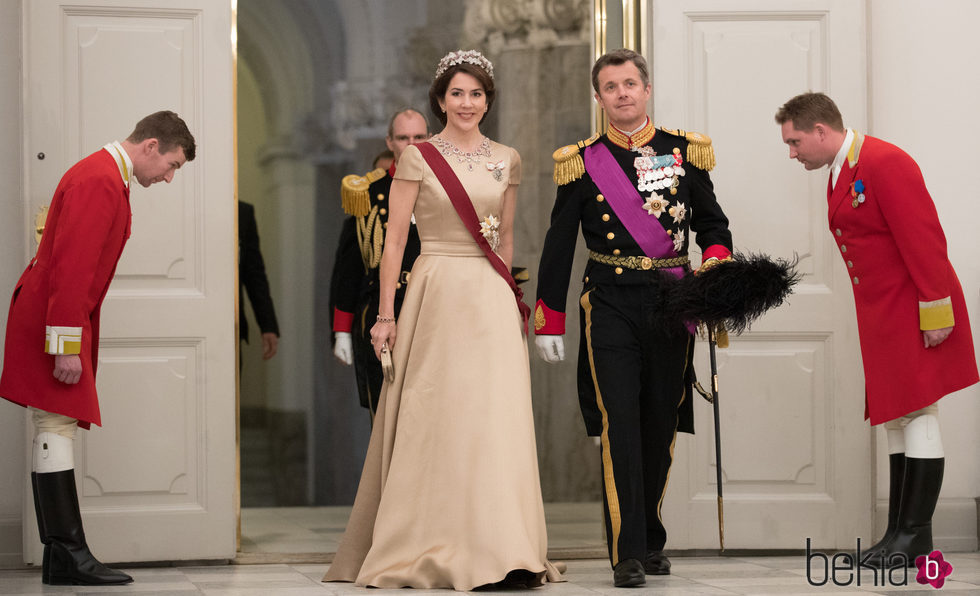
column 286, row 551
column 691, row 575
column 307, row 534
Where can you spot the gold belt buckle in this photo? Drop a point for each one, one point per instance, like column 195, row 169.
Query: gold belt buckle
column 404, row 277
column 646, row 263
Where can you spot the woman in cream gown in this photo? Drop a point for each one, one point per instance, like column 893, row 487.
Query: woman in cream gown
column 450, row 496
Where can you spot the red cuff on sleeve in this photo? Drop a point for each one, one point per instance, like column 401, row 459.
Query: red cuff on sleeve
column 716, row 251
column 547, row 321
column 342, row 321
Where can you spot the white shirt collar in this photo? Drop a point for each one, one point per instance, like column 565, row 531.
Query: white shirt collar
column 122, row 159
column 638, row 128
column 838, row 162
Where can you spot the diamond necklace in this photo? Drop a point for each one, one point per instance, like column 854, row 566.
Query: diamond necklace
column 450, row 150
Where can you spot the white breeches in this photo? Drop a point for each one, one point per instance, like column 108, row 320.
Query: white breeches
column 916, row 434
column 54, row 441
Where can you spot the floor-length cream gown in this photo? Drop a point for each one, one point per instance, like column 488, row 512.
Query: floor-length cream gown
column 450, row 496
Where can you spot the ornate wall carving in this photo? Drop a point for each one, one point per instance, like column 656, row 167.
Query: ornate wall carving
column 500, row 24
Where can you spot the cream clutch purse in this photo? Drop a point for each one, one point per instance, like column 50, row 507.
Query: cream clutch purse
column 387, row 367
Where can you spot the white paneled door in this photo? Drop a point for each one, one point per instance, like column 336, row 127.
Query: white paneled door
column 796, row 452
column 158, row 480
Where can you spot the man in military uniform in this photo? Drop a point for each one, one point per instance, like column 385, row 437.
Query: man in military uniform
column 348, row 266
column 637, row 192
column 355, row 275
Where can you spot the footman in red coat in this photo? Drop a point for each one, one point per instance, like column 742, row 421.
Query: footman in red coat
column 912, row 320
column 52, row 342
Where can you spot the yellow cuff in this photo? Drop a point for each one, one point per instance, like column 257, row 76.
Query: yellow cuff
column 62, row 340
column 936, row 314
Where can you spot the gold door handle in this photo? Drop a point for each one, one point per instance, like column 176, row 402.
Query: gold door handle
column 39, row 220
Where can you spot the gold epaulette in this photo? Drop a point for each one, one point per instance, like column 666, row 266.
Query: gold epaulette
column 699, row 150
column 354, row 194
column 568, row 161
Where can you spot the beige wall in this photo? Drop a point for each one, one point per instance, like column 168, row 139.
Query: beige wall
column 924, row 86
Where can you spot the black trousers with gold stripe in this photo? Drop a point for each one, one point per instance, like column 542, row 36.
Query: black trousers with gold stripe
column 638, row 373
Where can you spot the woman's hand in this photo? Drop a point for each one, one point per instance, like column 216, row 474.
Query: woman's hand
column 381, row 333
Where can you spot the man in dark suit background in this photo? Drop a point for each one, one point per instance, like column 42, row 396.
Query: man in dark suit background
column 252, row 279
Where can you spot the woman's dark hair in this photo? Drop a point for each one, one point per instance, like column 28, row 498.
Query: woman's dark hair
column 439, row 87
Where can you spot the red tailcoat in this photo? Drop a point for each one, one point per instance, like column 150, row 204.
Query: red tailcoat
column 63, row 287
column 895, row 253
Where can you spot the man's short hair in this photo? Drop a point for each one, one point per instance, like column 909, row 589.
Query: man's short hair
column 617, row 57
column 167, row 128
column 386, row 154
column 807, row 109
column 391, row 122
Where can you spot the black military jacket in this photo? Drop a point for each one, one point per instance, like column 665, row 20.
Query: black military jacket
column 354, row 284
column 692, row 207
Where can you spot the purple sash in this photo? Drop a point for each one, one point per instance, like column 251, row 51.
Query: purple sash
column 627, row 203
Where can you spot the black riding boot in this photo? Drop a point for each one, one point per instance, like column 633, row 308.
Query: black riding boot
column 896, row 478
column 920, row 492
column 67, row 559
column 46, row 558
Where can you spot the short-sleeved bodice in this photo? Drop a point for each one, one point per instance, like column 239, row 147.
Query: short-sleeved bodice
column 440, row 228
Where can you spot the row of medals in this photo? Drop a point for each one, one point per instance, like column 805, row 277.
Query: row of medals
column 656, row 172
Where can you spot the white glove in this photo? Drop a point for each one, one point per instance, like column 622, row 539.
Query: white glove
column 343, row 348
column 551, row 348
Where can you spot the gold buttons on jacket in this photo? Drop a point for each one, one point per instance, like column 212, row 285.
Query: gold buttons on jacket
column 605, row 217
column 838, row 232
column 382, row 211
column 398, row 286
column 586, row 279
column 610, row 235
column 616, row 251
column 381, row 197
column 600, row 198
column 619, row 270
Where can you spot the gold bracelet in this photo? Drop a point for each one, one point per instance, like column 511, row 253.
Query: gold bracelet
column 386, row 319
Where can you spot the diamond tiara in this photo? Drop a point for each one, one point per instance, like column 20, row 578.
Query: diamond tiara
column 458, row 57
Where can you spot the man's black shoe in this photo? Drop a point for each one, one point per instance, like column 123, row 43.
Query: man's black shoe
column 656, row 563
column 629, row 573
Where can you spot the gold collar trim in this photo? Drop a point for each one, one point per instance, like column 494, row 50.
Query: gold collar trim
column 122, row 160
column 854, row 152
column 637, row 139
